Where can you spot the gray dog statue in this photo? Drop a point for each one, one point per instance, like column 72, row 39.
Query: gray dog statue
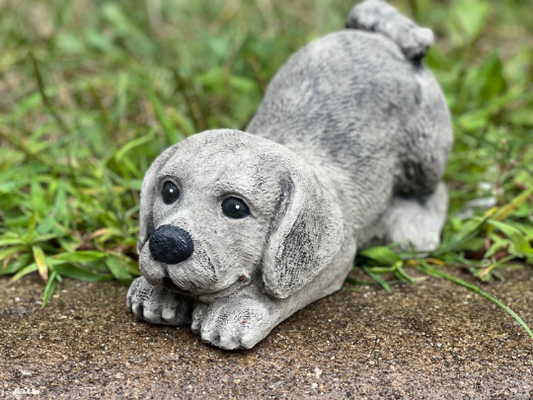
column 239, row 230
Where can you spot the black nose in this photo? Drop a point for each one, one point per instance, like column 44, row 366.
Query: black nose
column 170, row 244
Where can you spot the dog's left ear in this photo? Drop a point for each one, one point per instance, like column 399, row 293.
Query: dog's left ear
column 305, row 236
column 148, row 193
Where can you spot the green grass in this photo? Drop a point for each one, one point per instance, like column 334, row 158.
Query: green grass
column 91, row 92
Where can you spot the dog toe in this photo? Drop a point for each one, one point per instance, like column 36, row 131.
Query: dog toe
column 249, row 340
column 152, row 316
column 168, row 314
column 229, row 343
column 212, row 338
column 198, row 318
column 137, row 309
column 196, row 327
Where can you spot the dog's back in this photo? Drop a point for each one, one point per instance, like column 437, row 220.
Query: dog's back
column 361, row 108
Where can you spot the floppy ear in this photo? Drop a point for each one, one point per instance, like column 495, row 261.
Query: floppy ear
column 148, row 195
column 305, row 238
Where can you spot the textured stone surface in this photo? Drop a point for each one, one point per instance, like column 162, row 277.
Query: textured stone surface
column 349, row 148
column 435, row 340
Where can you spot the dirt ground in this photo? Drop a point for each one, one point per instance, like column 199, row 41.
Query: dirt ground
column 431, row 341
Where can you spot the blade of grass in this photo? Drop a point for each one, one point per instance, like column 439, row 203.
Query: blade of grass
column 465, row 237
column 377, row 278
column 73, row 272
column 381, row 254
column 166, row 123
column 24, row 271
column 514, row 234
column 7, row 253
column 496, row 265
column 80, row 256
column 46, row 99
column 504, row 211
column 402, row 275
column 117, row 269
column 10, row 268
column 355, row 282
column 50, row 287
column 40, row 260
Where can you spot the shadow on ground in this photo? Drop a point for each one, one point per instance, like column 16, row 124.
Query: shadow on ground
column 434, row 340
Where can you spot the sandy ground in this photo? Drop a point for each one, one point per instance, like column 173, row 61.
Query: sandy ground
column 431, row 341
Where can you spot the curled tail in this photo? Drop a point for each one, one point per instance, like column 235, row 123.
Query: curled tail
column 378, row 16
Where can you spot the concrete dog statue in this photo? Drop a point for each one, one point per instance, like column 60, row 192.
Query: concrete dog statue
column 240, row 230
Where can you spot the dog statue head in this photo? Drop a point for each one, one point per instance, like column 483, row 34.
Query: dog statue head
column 224, row 208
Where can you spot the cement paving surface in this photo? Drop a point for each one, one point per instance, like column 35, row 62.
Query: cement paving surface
column 431, row 341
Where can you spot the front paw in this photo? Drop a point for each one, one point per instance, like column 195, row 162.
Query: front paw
column 238, row 323
column 156, row 305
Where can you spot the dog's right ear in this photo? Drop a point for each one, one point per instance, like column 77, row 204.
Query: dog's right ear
column 148, row 195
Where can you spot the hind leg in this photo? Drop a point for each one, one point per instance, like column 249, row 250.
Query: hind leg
column 415, row 221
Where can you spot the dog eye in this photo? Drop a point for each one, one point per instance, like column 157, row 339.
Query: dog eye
column 235, row 208
column 170, row 193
